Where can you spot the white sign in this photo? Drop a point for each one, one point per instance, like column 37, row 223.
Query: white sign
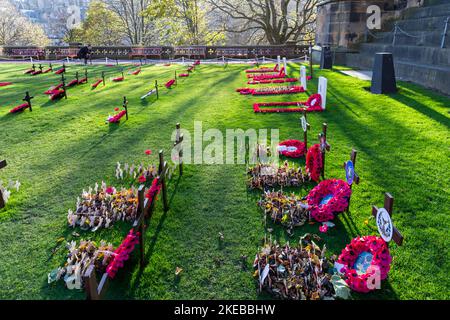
column 304, row 123
column 384, row 224
column 322, row 90
column 303, row 77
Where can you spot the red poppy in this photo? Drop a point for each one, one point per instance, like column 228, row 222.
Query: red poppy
column 148, row 152
column 109, row 190
column 116, row 109
column 142, row 179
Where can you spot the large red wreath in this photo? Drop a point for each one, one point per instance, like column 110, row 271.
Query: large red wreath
column 338, row 193
column 381, row 259
column 314, row 163
column 116, row 118
column 264, row 69
column 313, row 104
column 19, row 108
column 297, row 153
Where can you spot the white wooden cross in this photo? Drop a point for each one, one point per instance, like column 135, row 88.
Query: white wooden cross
column 322, row 90
column 2, row 201
column 303, row 77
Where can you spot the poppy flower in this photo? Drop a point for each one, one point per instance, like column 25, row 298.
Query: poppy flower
column 323, row 228
column 116, row 109
column 142, row 179
column 148, row 152
column 109, row 190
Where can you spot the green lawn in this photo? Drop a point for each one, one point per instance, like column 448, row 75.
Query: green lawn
column 62, row 147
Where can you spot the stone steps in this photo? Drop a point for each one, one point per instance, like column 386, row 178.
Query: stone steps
column 427, row 55
column 417, row 38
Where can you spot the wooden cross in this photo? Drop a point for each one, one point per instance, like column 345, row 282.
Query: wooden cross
column 388, row 205
column 63, row 80
column 86, row 75
column 123, row 76
column 125, row 106
column 28, row 100
column 162, row 172
column 175, row 76
column 103, row 77
column 117, row 62
column 157, row 90
column 324, row 146
column 33, row 67
column 40, row 67
column 76, row 76
column 2, row 201
column 177, row 144
column 50, row 66
column 355, row 175
column 305, row 132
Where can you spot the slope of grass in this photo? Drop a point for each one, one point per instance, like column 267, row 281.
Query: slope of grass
column 62, row 147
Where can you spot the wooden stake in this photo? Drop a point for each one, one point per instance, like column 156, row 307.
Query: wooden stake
column 157, row 90
column 388, row 205
column 2, row 201
column 355, row 175
column 162, row 176
column 177, row 144
column 103, row 77
column 125, row 106
column 324, row 146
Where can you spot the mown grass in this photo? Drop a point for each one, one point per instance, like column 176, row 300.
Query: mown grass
column 62, row 147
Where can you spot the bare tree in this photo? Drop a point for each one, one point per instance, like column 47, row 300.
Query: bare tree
column 17, row 30
column 137, row 26
column 279, row 20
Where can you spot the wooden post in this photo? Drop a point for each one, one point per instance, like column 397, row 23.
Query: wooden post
column 28, row 100
column 324, row 146
column 177, row 144
column 50, row 66
column 162, row 176
column 355, row 175
column 40, row 67
column 305, row 132
column 33, row 67
column 117, row 62
column 86, row 74
column 63, row 79
column 157, row 90
column 103, row 77
column 141, row 228
column 2, row 201
column 310, row 60
column 77, row 76
column 123, row 75
column 388, row 205
column 175, row 77
column 125, row 106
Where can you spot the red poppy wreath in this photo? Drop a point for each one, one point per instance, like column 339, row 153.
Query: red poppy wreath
column 314, row 163
column 292, row 148
column 362, row 259
column 328, row 198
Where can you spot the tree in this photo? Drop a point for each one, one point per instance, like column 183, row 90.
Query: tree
column 137, row 25
column 17, row 30
column 184, row 22
column 102, row 27
column 279, row 21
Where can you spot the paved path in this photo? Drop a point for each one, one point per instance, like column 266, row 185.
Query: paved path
column 360, row 74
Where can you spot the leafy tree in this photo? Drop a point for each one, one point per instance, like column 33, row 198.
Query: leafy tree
column 102, row 27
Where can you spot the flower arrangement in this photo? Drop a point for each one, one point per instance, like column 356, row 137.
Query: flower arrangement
column 4, row 84
column 72, row 83
column 62, row 70
column 29, row 71
column 96, row 83
column 271, row 90
column 361, row 259
column 271, row 175
column 136, row 72
column 183, row 75
column 36, row 72
column 116, row 118
column 196, row 63
column 170, row 83
column 6, row 190
column 82, row 80
column 154, row 190
column 122, row 253
column 295, row 273
column 57, row 94
column 51, row 90
column 292, row 148
column 47, row 70
column 118, row 79
column 262, row 70
column 313, row 104
column 259, row 77
column 285, row 209
column 132, row 172
column 79, row 258
column 103, row 206
column 286, row 80
column 314, row 162
column 19, row 108
column 328, row 198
